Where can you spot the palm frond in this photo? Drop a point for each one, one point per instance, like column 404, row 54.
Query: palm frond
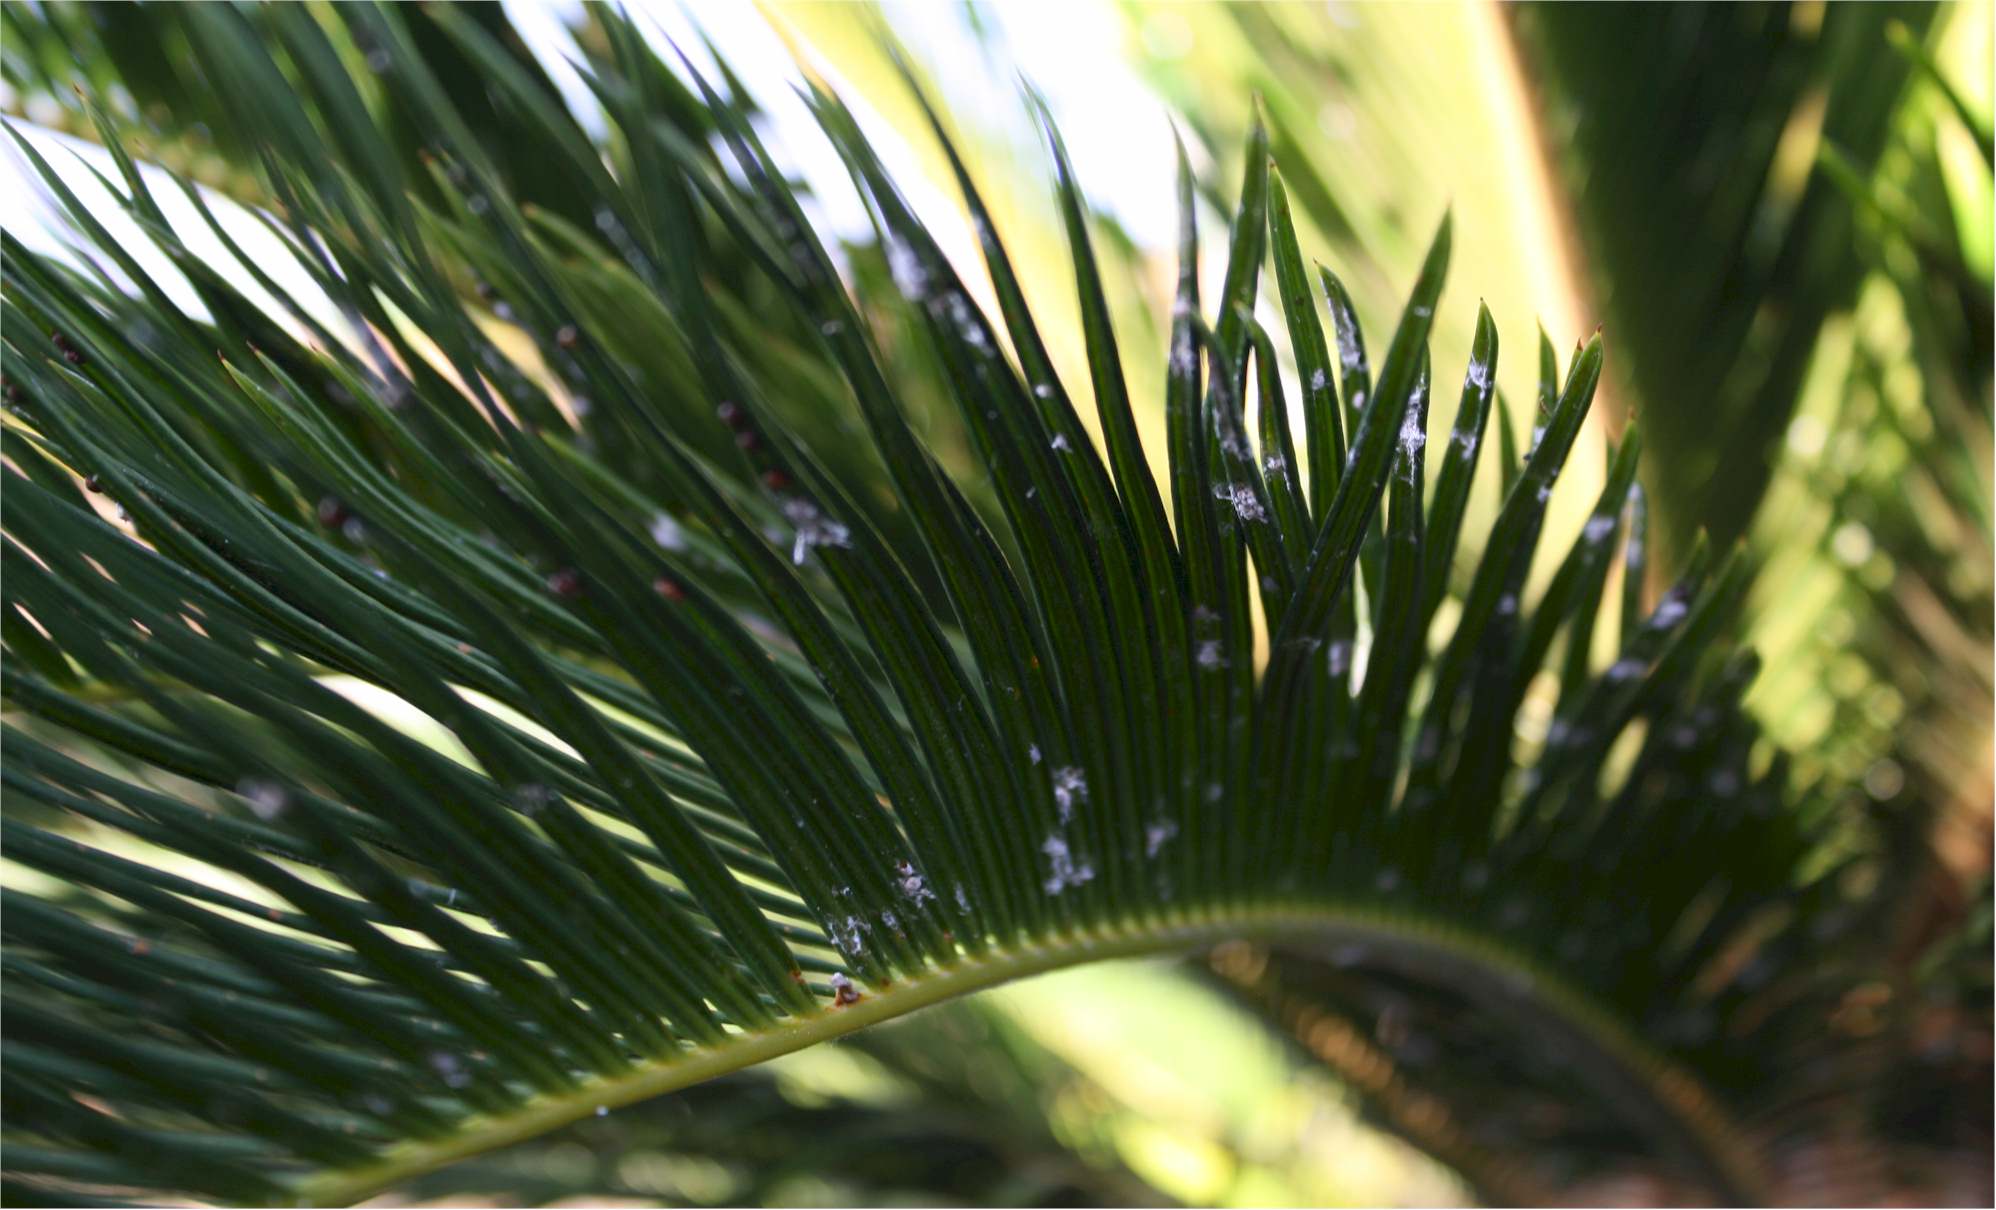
column 574, row 676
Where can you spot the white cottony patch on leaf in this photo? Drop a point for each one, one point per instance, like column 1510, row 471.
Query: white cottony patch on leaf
column 1412, row 438
column 1063, row 872
column 1247, row 506
column 1626, row 670
column 843, row 992
column 1059, row 442
column 1033, row 753
column 1669, row 611
column 1318, row 379
column 1043, row 390
column 1070, row 786
column 1156, row 835
column 1479, row 374
column 909, row 272
column 1337, row 660
column 813, row 528
column 1182, row 360
column 1348, row 352
column 1207, row 655
column 267, row 799
column 960, row 314
column 846, row 934
column 1598, row 528
column 962, row 899
column 912, row 884
column 534, row 797
column 668, row 533
column 449, row 1067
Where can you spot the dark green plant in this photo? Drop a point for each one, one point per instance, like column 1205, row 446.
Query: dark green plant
column 1719, row 251
column 535, row 692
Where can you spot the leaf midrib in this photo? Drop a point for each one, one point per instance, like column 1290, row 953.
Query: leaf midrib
column 1671, row 1107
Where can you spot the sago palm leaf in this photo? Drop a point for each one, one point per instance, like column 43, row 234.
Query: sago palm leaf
column 430, row 728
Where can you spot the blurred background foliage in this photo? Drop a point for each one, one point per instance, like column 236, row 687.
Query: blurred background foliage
column 1782, row 215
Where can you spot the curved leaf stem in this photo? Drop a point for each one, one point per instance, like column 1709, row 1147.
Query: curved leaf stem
column 1663, row 1100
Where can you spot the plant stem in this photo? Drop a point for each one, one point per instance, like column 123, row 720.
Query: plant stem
column 1663, row 1100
